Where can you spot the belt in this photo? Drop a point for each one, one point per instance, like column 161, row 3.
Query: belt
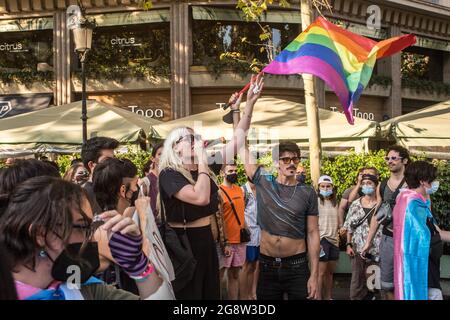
column 286, row 261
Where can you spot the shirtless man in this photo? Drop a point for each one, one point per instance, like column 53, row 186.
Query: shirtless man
column 287, row 215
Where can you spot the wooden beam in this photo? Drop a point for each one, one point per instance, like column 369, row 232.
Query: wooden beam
column 403, row 17
column 37, row 5
column 61, row 4
column 444, row 27
column 396, row 17
column 3, row 8
column 346, row 8
column 355, row 8
column 99, row 3
column 411, row 20
column 13, row 6
column 87, row 3
column 437, row 25
column 49, row 5
column 25, row 5
column 337, row 6
column 387, row 15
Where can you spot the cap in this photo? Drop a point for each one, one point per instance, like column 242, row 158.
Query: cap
column 325, row 179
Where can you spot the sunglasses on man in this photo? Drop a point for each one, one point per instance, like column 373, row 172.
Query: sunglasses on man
column 287, row 160
column 393, row 158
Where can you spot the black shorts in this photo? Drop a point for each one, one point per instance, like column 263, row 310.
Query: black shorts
column 331, row 251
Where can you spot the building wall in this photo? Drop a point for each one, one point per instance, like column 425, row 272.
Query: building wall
column 191, row 89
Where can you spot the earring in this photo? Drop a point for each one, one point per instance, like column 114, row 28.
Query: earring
column 42, row 254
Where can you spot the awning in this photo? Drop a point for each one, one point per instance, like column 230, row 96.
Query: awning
column 127, row 18
column 13, row 105
column 273, row 16
column 32, row 24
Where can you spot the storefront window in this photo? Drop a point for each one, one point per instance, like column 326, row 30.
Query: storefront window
column 130, row 51
column 26, row 56
column 213, row 38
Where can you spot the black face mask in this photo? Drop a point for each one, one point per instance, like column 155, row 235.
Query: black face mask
column 301, row 178
column 87, row 263
column 134, row 197
column 232, row 178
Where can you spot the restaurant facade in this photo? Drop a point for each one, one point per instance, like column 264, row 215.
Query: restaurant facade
column 167, row 62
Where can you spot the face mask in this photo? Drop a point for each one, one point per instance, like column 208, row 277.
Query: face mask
column 326, row 193
column 232, row 178
column 367, row 190
column 301, row 178
column 433, row 189
column 134, row 197
column 87, row 263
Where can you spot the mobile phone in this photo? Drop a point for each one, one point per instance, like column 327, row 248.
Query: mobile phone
column 322, row 253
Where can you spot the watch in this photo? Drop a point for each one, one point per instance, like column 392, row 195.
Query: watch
column 349, row 244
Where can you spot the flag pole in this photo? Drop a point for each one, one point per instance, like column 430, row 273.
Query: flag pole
column 312, row 112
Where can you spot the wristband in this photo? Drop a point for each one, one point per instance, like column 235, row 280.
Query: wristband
column 349, row 245
column 141, row 278
column 204, row 173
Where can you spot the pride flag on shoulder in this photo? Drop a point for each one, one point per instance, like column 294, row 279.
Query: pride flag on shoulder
column 344, row 60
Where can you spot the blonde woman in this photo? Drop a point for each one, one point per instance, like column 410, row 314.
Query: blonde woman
column 189, row 194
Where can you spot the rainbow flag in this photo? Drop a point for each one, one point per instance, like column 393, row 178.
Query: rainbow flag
column 344, row 60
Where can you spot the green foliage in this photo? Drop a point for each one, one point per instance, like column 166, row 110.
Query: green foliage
column 148, row 57
column 439, row 200
column 414, row 65
column 63, row 161
column 254, row 9
column 27, row 77
column 426, row 86
column 343, row 169
column 380, row 80
column 139, row 158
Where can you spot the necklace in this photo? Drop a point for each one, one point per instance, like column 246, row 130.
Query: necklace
column 279, row 193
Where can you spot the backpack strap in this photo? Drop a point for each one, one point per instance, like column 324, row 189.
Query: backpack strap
column 232, row 206
column 383, row 187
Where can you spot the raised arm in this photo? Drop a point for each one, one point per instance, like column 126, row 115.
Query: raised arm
column 199, row 193
column 241, row 129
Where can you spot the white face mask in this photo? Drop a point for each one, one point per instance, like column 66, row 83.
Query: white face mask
column 434, row 187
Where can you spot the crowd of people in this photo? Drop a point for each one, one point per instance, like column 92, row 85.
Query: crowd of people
column 107, row 231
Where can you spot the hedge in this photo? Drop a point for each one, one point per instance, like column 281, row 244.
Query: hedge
column 342, row 169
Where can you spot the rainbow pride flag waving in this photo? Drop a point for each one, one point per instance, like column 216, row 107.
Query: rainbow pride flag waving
column 344, row 60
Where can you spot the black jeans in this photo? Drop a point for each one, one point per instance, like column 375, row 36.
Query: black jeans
column 283, row 276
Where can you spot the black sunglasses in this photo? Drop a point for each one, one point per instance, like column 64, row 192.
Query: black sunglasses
column 287, row 160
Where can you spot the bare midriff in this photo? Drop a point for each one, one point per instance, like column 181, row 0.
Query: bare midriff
column 202, row 222
column 279, row 246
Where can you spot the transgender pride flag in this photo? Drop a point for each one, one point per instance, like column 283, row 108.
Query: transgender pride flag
column 344, row 60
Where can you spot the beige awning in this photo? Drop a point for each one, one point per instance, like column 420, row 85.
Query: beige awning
column 56, row 128
column 422, row 129
column 276, row 119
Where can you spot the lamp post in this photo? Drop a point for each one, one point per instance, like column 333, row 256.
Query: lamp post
column 82, row 37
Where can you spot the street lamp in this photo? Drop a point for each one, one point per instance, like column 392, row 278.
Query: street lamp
column 82, row 37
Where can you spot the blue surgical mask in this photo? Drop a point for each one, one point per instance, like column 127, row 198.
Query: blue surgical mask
column 433, row 189
column 326, row 193
column 367, row 190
